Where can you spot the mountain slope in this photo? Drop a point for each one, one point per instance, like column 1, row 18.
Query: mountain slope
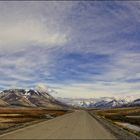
column 3, row 103
column 30, row 98
column 136, row 102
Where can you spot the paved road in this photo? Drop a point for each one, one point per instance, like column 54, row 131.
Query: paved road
column 76, row 125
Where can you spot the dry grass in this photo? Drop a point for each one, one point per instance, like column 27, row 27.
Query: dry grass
column 121, row 115
column 120, row 111
column 4, row 126
column 11, row 117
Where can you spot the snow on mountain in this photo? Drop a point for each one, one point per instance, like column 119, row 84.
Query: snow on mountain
column 102, row 102
column 40, row 97
column 129, row 98
column 137, row 101
column 45, row 91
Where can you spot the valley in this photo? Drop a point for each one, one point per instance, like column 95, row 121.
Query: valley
column 22, row 108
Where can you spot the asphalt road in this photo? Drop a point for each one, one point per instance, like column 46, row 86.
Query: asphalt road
column 76, row 125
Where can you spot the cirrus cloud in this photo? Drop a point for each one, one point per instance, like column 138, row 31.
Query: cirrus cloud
column 82, row 48
column 33, row 33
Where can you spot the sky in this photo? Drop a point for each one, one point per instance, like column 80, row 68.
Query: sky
column 78, row 48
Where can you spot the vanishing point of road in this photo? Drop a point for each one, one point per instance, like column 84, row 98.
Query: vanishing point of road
column 76, row 125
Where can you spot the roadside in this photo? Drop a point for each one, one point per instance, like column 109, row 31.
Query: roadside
column 18, row 126
column 12, row 119
column 119, row 132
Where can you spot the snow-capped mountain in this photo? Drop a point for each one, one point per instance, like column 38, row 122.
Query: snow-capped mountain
column 40, row 97
column 137, row 101
column 102, row 102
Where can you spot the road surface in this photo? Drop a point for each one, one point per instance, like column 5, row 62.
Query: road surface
column 76, row 125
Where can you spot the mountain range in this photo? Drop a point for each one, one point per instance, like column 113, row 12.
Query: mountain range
column 103, row 102
column 41, row 97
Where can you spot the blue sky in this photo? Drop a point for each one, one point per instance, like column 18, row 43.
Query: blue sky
column 79, row 48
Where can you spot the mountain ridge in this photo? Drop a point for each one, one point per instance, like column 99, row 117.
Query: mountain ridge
column 41, row 97
column 29, row 98
column 102, row 102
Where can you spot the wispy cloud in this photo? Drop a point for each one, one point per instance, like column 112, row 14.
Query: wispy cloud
column 83, row 48
column 30, row 33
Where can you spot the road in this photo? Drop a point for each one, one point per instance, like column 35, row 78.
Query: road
column 76, row 125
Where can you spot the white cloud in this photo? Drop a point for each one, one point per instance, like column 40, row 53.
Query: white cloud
column 33, row 23
column 85, row 29
column 30, row 32
column 97, row 89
